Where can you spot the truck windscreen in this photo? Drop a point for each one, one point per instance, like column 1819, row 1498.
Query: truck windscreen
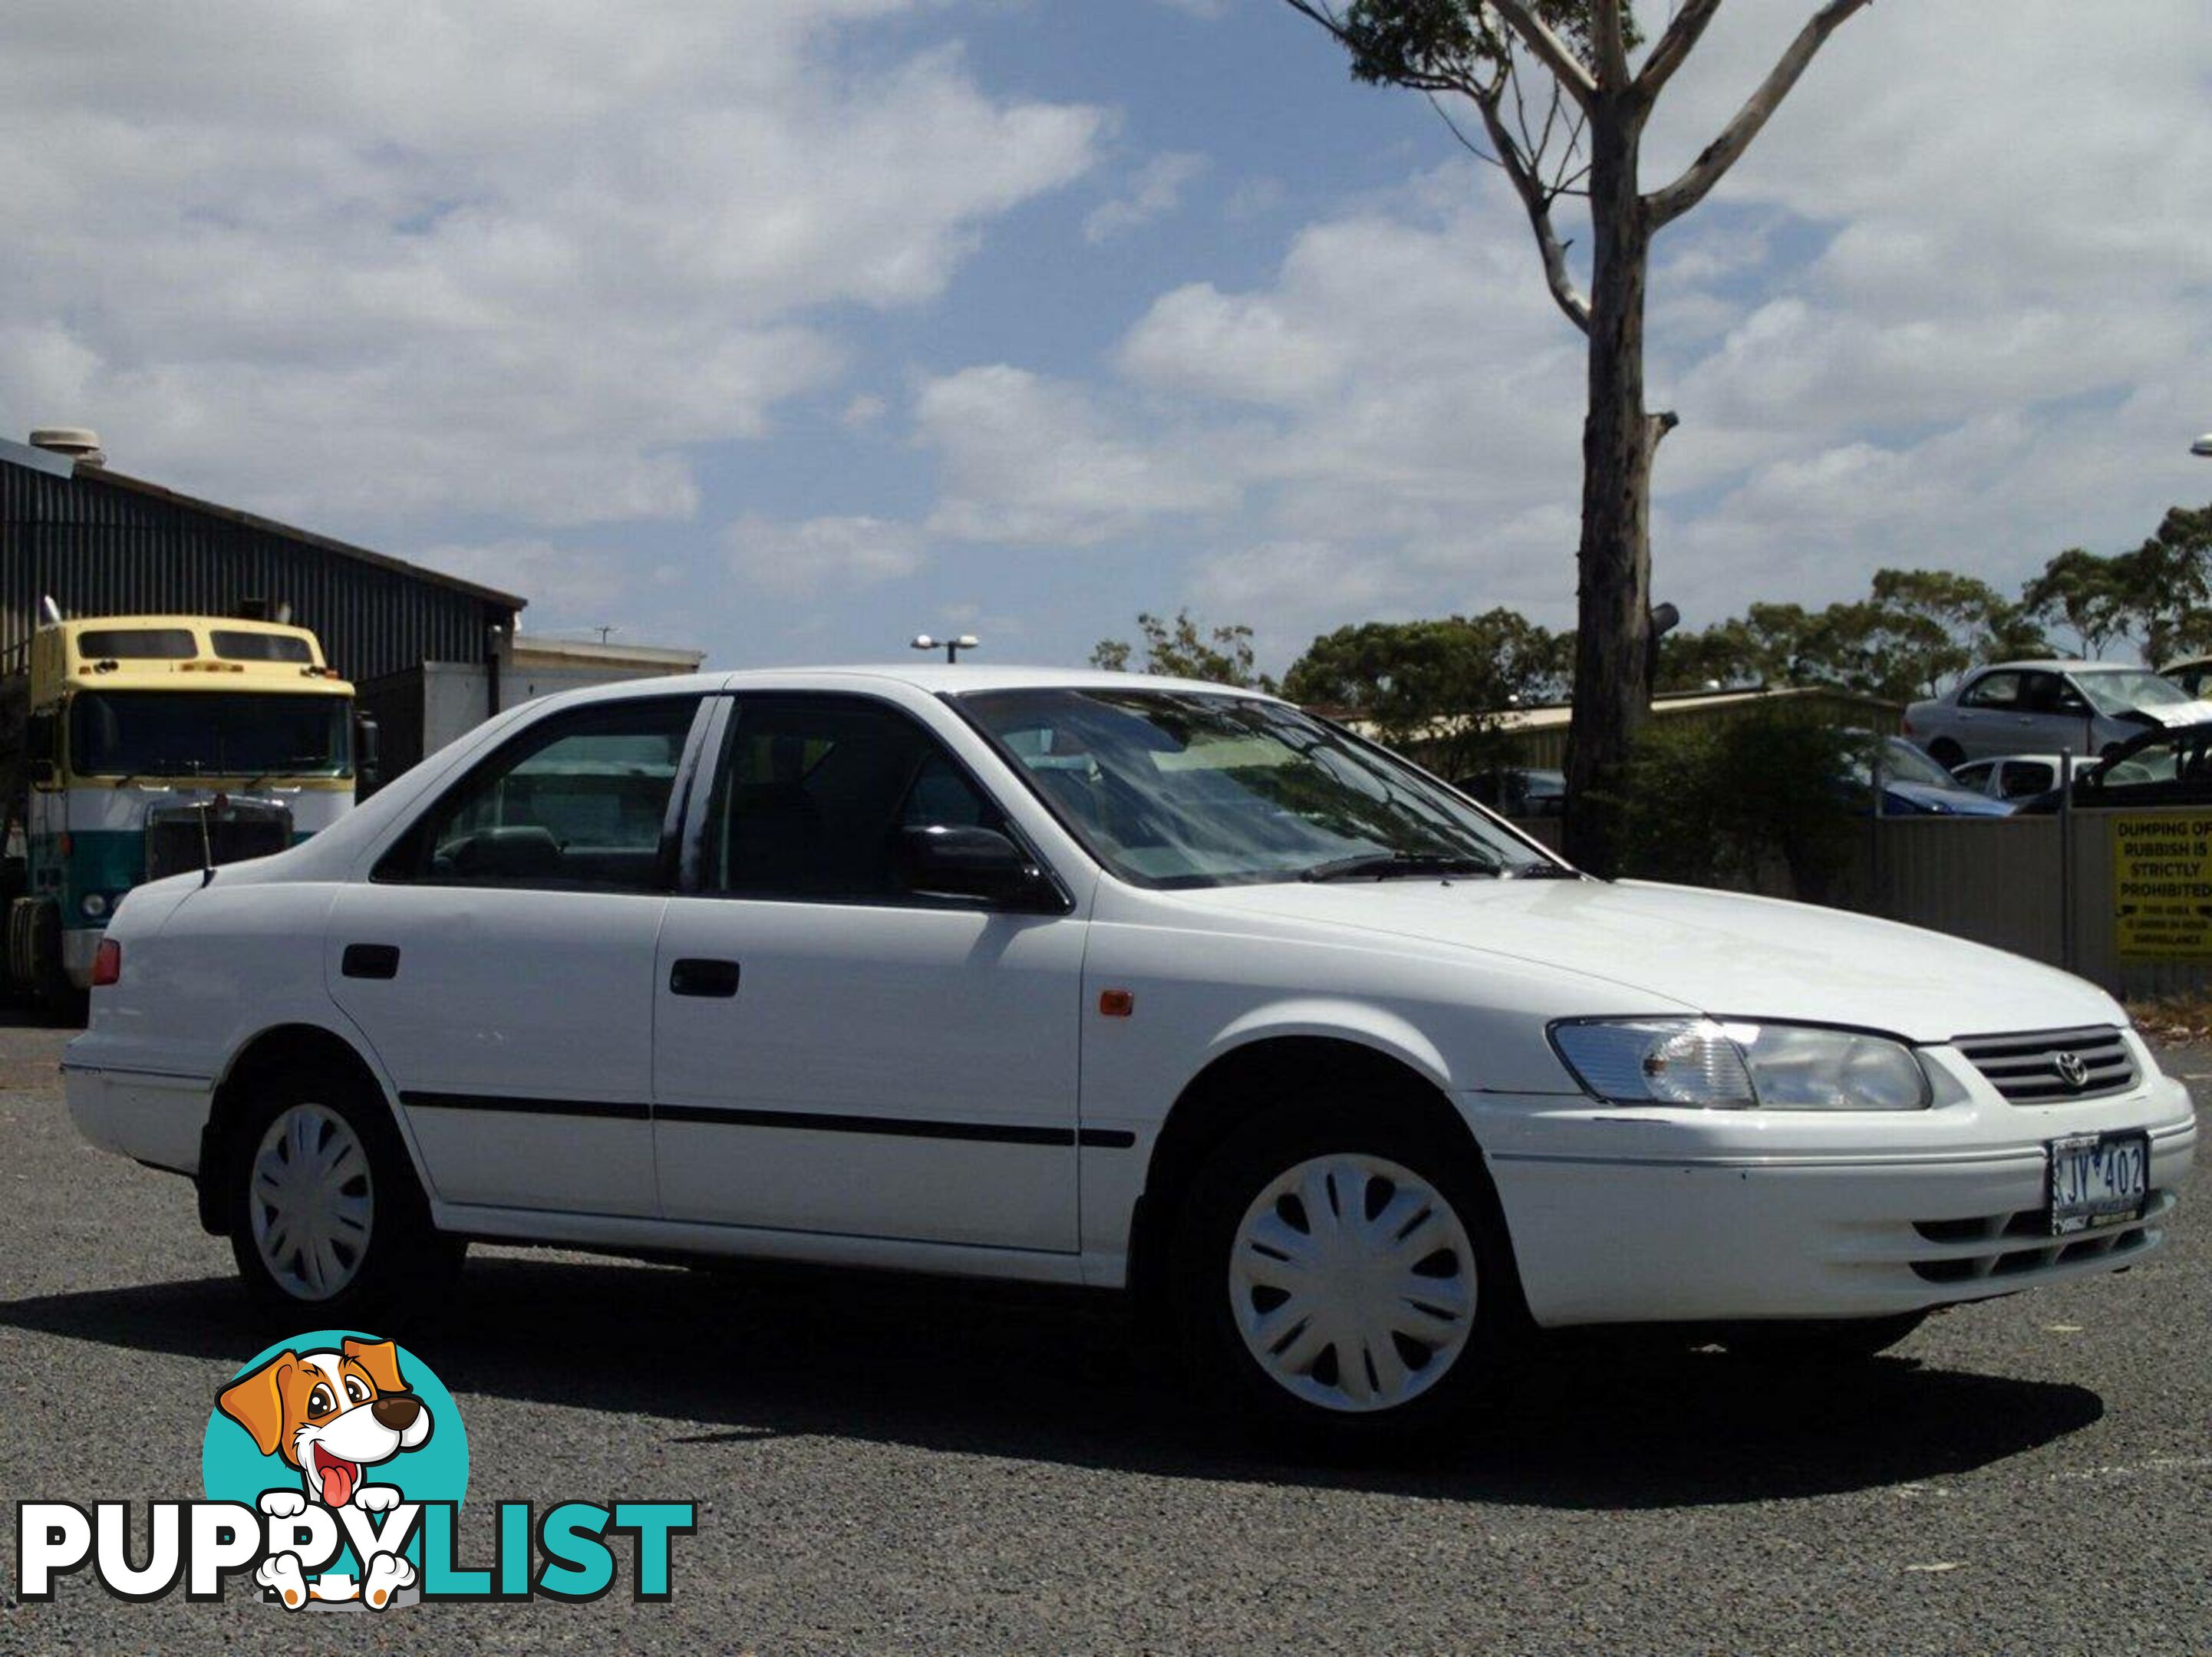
column 144, row 733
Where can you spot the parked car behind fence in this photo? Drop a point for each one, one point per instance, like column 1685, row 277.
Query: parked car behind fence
column 2011, row 776
column 2057, row 707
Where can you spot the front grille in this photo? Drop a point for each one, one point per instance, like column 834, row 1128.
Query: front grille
column 2007, row 1246
column 235, row 832
column 2052, row 1067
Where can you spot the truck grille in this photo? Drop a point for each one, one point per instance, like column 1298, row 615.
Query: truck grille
column 2053, row 1066
column 236, row 831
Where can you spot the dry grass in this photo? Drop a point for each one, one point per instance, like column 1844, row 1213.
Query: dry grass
column 2174, row 1018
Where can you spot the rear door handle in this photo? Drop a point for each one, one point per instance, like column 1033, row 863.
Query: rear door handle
column 370, row 961
column 709, row 978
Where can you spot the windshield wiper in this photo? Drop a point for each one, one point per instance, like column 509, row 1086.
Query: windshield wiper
column 1400, row 866
column 1544, row 869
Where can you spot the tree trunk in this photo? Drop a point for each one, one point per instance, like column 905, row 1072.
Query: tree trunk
column 1613, row 631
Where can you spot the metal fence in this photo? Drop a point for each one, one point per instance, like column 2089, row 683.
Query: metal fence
column 2045, row 887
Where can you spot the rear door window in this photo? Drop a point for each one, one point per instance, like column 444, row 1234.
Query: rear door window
column 1993, row 690
column 580, row 802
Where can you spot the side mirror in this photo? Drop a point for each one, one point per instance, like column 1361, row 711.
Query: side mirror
column 367, row 750
column 944, row 861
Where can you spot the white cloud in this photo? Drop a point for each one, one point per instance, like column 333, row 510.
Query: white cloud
column 1951, row 310
column 564, row 585
column 821, row 554
column 504, row 258
column 1155, row 192
column 1028, row 461
column 866, row 410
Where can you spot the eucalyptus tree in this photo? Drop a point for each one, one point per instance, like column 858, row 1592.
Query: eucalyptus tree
column 1561, row 92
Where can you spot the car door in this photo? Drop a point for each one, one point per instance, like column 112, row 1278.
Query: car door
column 1987, row 719
column 2054, row 715
column 833, row 1051
column 500, row 959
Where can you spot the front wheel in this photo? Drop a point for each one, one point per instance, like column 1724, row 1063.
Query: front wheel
column 323, row 1208
column 1345, row 1277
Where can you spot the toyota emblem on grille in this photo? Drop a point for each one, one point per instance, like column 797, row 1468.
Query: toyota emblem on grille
column 2071, row 1070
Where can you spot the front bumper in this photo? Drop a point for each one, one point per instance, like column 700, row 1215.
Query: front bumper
column 1629, row 1215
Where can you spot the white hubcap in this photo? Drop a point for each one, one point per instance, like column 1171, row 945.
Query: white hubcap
column 1352, row 1282
column 311, row 1202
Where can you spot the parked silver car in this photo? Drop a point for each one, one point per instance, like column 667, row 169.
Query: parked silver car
column 2048, row 708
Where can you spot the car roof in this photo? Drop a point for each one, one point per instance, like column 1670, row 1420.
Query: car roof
column 942, row 679
column 933, row 679
column 2054, row 664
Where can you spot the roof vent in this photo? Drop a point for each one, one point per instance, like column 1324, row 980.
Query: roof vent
column 80, row 443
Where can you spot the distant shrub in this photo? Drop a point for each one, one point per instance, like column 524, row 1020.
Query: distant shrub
column 1736, row 803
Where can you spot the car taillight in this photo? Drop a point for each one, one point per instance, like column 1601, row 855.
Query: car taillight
column 106, row 963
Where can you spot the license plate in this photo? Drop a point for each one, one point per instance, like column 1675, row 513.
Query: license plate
column 2097, row 1178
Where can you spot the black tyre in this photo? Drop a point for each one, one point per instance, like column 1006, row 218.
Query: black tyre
column 1947, row 752
column 324, row 1210
column 1340, row 1275
column 1819, row 1342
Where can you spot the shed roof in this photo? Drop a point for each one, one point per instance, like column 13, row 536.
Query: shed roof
column 59, row 465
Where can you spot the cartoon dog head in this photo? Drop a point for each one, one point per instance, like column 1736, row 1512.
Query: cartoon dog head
column 330, row 1414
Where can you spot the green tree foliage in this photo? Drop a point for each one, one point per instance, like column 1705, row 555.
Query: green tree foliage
column 1183, row 649
column 2157, row 598
column 1914, row 632
column 1736, row 803
column 1444, row 681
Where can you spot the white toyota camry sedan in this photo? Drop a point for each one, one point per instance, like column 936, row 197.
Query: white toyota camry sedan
column 1109, row 981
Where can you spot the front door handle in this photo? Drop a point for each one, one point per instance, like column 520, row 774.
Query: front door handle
column 709, row 978
column 370, row 961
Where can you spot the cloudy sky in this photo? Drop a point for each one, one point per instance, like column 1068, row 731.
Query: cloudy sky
column 786, row 328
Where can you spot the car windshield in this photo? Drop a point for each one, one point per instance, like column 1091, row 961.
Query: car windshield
column 2119, row 689
column 2184, row 756
column 1187, row 788
column 155, row 733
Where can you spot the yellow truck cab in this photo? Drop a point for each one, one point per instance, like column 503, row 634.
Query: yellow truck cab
column 145, row 745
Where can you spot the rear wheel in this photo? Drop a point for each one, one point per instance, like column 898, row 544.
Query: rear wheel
column 1947, row 752
column 323, row 1206
column 1344, row 1276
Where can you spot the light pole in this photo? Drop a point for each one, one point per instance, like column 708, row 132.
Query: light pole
column 952, row 647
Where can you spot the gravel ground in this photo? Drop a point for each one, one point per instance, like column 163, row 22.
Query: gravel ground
column 889, row 1465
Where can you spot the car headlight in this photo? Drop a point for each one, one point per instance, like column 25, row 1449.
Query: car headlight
column 1713, row 1066
column 95, row 905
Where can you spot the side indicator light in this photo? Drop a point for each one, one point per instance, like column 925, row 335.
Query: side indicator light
column 106, row 963
column 1116, row 1003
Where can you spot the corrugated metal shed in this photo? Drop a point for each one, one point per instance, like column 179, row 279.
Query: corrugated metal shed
column 103, row 543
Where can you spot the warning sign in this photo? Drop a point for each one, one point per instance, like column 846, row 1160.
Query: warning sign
column 2162, row 887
